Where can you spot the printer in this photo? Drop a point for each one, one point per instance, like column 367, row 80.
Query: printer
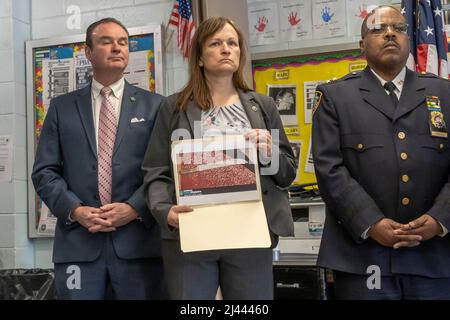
column 296, row 275
column 308, row 211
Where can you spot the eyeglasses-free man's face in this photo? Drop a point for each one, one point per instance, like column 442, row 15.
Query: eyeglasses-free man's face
column 109, row 50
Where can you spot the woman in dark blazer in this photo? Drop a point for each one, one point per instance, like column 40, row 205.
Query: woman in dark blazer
column 216, row 93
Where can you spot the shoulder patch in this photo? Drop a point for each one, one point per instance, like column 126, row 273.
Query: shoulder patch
column 317, row 99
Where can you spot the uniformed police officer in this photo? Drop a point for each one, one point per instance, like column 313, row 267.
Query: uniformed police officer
column 383, row 164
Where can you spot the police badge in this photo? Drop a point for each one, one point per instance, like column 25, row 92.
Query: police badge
column 436, row 117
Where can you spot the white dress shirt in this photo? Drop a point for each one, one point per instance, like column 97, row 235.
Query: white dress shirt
column 399, row 80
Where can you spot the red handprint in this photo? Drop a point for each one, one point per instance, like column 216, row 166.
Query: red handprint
column 363, row 13
column 293, row 19
column 261, row 25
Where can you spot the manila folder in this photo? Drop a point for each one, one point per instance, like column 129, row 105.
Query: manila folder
column 224, row 226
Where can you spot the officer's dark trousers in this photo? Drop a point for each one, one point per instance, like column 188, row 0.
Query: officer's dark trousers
column 397, row 287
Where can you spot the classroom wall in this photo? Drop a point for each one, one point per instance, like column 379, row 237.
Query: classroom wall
column 16, row 250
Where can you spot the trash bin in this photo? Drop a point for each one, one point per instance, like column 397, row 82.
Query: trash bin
column 27, row 284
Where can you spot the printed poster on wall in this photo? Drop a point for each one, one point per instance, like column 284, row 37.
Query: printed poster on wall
column 6, row 158
column 357, row 10
column 83, row 70
column 263, row 23
column 296, row 146
column 329, row 18
column 137, row 72
column 295, row 20
column 309, row 165
column 309, row 93
column 58, row 75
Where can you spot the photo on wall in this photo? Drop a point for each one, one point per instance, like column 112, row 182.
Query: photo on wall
column 285, row 97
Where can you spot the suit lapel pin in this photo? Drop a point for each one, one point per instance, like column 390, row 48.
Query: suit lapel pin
column 254, row 108
column 132, row 99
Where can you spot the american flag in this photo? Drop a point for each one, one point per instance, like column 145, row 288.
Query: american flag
column 181, row 20
column 428, row 41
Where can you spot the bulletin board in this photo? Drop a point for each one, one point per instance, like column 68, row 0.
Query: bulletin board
column 57, row 66
column 291, row 82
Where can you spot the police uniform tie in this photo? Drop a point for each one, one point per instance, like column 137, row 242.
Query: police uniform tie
column 389, row 86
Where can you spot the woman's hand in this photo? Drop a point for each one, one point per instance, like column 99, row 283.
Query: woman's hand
column 172, row 217
column 263, row 141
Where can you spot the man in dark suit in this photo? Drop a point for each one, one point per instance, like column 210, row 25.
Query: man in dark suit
column 88, row 172
column 383, row 170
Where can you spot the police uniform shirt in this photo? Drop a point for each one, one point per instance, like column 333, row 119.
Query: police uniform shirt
column 399, row 80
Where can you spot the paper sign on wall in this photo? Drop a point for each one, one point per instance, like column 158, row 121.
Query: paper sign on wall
column 6, row 157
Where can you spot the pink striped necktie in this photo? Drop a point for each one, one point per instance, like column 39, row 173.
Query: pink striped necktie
column 107, row 128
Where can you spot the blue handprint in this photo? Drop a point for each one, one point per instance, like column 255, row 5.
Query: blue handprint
column 326, row 17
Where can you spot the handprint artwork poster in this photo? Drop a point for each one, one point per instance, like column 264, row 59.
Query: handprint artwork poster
column 329, row 18
column 357, row 10
column 295, row 20
column 263, row 23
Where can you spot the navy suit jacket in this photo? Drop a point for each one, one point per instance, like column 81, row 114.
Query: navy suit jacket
column 65, row 173
column 358, row 141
